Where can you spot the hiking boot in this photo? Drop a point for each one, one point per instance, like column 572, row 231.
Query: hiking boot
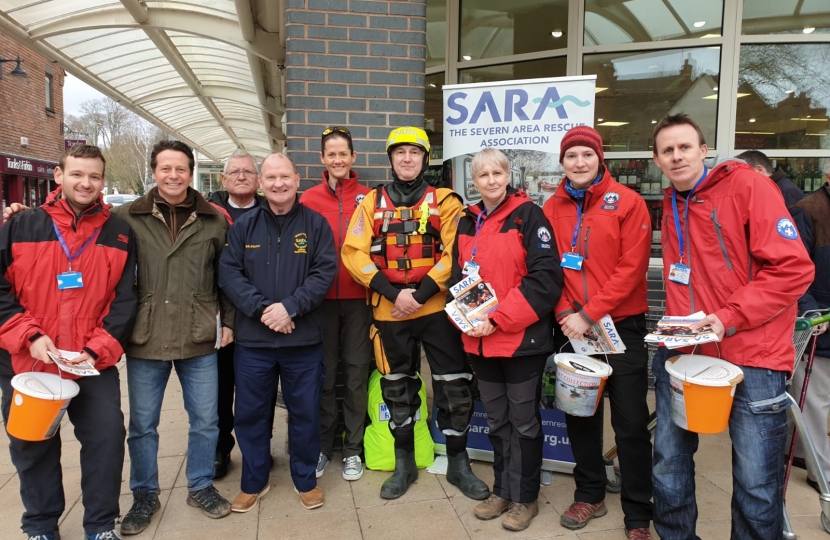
column 520, row 515
column 492, row 508
column 311, row 499
column 108, row 535
column 220, row 465
column 322, row 461
column 208, row 499
column 461, row 475
column 638, row 534
column 580, row 513
column 352, row 468
column 46, row 536
column 406, row 472
column 145, row 504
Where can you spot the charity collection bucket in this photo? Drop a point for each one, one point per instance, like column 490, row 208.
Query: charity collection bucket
column 38, row 405
column 702, row 390
column 579, row 383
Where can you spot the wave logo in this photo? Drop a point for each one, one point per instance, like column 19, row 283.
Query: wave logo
column 517, row 105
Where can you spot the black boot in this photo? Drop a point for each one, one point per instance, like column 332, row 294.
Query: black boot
column 406, row 472
column 461, row 475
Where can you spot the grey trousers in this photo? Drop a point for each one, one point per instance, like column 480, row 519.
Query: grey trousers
column 816, row 409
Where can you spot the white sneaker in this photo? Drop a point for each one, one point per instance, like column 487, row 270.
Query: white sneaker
column 322, row 461
column 352, row 468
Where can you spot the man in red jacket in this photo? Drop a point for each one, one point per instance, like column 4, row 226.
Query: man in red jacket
column 731, row 250
column 346, row 313
column 603, row 232
column 67, row 281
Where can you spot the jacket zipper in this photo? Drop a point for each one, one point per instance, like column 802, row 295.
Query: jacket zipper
column 584, row 247
column 719, row 233
column 688, row 240
column 340, row 238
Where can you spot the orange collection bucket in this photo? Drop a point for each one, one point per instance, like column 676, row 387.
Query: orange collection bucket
column 702, row 390
column 579, row 383
column 38, row 405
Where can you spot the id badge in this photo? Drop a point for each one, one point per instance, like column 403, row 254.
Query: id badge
column 70, row 280
column 572, row 261
column 679, row 273
column 470, row 268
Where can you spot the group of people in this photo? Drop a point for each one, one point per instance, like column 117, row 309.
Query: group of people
column 247, row 291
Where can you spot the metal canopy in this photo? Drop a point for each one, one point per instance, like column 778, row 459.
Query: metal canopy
column 210, row 72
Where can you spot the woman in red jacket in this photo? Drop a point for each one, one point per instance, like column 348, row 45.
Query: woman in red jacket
column 507, row 241
column 603, row 231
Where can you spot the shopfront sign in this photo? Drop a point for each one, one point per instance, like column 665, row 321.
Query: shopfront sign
column 26, row 166
column 69, row 143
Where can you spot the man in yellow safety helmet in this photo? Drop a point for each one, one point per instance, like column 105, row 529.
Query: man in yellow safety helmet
column 399, row 244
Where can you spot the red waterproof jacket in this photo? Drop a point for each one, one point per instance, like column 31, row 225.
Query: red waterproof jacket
column 517, row 257
column 748, row 265
column 614, row 239
column 97, row 318
column 337, row 207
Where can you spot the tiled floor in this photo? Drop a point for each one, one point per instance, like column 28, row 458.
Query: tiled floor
column 431, row 509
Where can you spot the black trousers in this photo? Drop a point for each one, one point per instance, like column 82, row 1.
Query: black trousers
column 451, row 378
column 510, row 391
column 96, row 416
column 346, row 344
column 627, row 389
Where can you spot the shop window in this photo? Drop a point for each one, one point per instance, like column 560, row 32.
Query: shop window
column 762, row 17
column 434, row 114
column 50, row 104
column 436, row 32
column 533, row 69
column 636, row 89
column 492, row 28
column 806, row 173
column 783, row 96
column 640, row 21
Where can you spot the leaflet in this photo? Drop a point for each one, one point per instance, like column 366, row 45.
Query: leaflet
column 601, row 338
column 84, row 369
column 674, row 332
column 473, row 299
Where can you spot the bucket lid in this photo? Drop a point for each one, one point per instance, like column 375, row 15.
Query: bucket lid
column 704, row 370
column 45, row 386
column 584, row 365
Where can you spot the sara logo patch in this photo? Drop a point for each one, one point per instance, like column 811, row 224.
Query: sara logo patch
column 357, row 230
column 300, row 243
column 544, row 234
column 359, row 199
column 786, row 229
column 611, row 197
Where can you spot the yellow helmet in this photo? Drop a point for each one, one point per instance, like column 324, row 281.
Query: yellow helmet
column 408, row 135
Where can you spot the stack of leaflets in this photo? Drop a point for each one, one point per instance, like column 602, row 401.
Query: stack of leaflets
column 601, row 338
column 64, row 362
column 674, row 332
column 473, row 299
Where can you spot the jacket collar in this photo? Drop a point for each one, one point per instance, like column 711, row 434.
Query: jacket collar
column 593, row 193
column 344, row 184
column 514, row 198
column 58, row 208
column 222, row 197
column 144, row 205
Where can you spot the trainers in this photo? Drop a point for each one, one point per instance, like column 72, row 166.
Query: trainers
column 352, row 468
column 212, row 504
column 109, row 535
column 638, row 534
column 491, row 508
column 145, row 504
column 322, row 461
column 580, row 513
column 47, row 536
column 520, row 515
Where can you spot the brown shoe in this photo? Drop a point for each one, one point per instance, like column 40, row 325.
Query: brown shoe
column 245, row 501
column 580, row 513
column 492, row 508
column 311, row 499
column 638, row 534
column 520, row 515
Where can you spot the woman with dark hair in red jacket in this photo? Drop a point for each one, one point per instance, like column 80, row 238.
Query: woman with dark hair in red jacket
column 507, row 240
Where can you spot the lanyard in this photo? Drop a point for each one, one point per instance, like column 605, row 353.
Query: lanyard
column 680, row 240
column 578, row 224
column 478, row 228
column 77, row 254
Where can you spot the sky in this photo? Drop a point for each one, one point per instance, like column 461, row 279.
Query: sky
column 76, row 92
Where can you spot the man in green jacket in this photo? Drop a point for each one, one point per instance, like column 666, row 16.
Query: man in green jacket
column 182, row 320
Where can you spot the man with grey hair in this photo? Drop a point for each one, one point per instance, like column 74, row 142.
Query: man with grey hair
column 241, row 182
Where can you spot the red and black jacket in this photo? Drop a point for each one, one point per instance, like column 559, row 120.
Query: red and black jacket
column 97, row 318
column 517, row 256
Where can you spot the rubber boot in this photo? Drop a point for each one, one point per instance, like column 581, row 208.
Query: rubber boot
column 406, row 472
column 461, row 475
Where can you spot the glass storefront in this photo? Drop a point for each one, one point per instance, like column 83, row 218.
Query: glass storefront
column 641, row 21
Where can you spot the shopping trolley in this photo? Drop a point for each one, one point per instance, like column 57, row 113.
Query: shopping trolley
column 806, row 330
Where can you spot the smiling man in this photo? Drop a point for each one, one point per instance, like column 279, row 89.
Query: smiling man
column 277, row 268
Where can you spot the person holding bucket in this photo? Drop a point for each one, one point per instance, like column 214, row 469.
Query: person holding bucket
column 67, row 283
column 603, row 231
column 506, row 240
column 737, row 256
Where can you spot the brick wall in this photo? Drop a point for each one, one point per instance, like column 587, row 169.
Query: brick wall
column 356, row 63
column 23, row 105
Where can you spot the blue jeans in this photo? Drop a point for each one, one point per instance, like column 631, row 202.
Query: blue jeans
column 758, row 429
column 146, row 381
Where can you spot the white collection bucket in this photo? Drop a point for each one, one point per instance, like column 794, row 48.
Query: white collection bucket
column 38, row 405
column 579, row 383
column 702, row 390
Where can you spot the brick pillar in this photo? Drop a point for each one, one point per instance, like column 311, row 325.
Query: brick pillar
column 356, row 63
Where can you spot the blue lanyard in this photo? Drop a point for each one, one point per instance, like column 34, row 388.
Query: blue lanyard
column 77, row 254
column 578, row 224
column 478, row 228
column 680, row 240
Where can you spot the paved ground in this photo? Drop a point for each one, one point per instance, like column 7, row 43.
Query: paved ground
column 431, row 509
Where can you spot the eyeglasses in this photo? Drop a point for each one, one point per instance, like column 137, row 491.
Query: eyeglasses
column 243, row 172
column 329, row 130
